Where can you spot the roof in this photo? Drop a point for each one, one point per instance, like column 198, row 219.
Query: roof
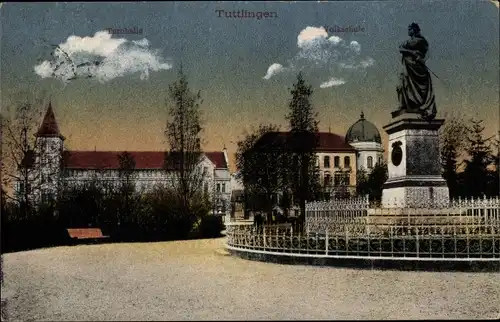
column 143, row 159
column 363, row 131
column 49, row 127
column 327, row 142
column 217, row 158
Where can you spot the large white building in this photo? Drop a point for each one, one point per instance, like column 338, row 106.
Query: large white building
column 52, row 163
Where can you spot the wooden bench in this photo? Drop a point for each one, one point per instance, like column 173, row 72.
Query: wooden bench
column 90, row 234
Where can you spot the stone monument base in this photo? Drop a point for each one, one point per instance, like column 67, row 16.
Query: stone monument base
column 415, row 179
column 415, row 193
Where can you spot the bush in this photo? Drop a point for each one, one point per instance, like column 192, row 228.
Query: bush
column 162, row 215
column 210, row 226
column 23, row 230
column 156, row 215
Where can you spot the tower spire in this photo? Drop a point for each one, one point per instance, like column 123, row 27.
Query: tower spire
column 49, row 127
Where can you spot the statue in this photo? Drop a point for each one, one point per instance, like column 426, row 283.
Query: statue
column 415, row 92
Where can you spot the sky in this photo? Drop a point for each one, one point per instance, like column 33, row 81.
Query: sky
column 243, row 66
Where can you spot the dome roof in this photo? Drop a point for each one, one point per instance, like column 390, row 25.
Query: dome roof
column 363, row 131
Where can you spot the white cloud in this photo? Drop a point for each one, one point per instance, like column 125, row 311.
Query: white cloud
column 354, row 45
column 330, row 54
column 273, row 70
column 335, row 40
column 311, row 35
column 44, row 69
column 332, row 82
column 367, row 62
column 143, row 42
column 113, row 57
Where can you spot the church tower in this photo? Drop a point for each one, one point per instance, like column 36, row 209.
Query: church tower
column 50, row 148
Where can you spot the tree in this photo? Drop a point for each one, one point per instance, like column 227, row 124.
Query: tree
column 362, row 185
column 128, row 200
column 260, row 167
column 376, row 179
column 494, row 178
column 452, row 146
column 303, row 143
column 23, row 154
column 183, row 133
column 476, row 171
column 126, row 174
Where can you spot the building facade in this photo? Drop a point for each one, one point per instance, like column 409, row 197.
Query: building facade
column 53, row 164
column 339, row 158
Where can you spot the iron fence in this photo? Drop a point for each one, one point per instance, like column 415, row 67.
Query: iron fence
column 466, row 230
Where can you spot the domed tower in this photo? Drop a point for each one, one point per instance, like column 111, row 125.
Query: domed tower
column 365, row 138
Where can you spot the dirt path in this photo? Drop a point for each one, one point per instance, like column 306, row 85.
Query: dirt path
column 196, row 280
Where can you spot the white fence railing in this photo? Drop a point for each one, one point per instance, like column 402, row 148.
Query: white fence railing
column 357, row 216
column 467, row 230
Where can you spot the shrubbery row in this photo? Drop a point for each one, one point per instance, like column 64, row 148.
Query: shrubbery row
column 156, row 215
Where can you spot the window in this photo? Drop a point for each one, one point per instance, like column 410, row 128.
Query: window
column 347, row 162
column 337, row 179
column 369, row 162
column 342, row 179
column 380, row 161
column 346, row 179
column 326, row 162
column 328, row 179
column 205, row 171
column 206, row 188
column 336, row 162
column 218, row 187
column 224, row 187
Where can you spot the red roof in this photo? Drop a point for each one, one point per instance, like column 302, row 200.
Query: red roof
column 143, row 159
column 327, row 142
column 333, row 142
column 218, row 159
column 49, row 127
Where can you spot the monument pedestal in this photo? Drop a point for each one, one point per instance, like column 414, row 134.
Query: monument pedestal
column 414, row 165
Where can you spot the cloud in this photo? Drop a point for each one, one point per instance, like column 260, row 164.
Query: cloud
column 273, row 70
column 335, row 40
column 330, row 54
column 354, row 45
column 332, row 82
column 102, row 57
column 310, row 36
column 367, row 62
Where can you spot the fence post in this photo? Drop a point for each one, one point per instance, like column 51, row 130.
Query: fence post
column 417, row 244
column 327, row 239
column 264, row 238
